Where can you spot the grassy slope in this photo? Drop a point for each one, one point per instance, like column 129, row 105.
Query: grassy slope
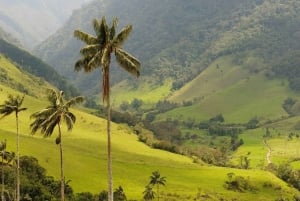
column 85, row 156
column 232, row 91
column 147, row 91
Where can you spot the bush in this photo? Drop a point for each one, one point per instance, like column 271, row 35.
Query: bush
column 238, row 183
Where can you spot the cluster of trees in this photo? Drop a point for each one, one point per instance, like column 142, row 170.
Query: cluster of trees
column 96, row 54
column 36, row 185
column 45, row 121
column 288, row 174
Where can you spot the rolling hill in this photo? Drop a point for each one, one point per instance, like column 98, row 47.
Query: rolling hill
column 133, row 161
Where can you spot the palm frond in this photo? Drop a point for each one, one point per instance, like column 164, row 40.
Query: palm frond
column 73, row 101
column 12, row 104
column 70, row 119
column 83, row 64
column 51, row 95
column 85, row 37
column 128, row 62
column 113, row 29
column 104, row 36
column 97, row 27
column 119, row 40
column 90, row 49
column 95, row 61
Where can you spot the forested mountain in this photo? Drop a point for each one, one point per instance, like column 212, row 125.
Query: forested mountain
column 32, row 21
column 178, row 39
column 35, row 66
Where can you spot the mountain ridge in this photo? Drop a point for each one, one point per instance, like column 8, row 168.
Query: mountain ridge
column 181, row 39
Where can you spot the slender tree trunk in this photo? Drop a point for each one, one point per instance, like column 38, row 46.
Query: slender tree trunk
column 18, row 158
column 2, row 174
column 157, row 192
column 62, row 178
column 109, row 155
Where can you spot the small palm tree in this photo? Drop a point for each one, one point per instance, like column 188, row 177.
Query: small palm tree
column 13, row 105
column 50, row 117
column 97, row 53
column 2, row 150
column 149, row 194
column 6, row 157
column 157, row 180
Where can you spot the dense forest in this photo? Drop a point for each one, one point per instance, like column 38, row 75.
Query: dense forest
column 184, row 37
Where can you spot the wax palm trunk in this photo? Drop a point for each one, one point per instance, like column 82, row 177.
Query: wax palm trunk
column 62, row 177
column 18, row 157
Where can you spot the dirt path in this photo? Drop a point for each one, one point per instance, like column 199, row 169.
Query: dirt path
column 268, row 156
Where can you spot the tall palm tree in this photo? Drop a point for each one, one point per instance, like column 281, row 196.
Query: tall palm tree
column 157, row 180
column 50, row 117
column 13, row 104
column 97, row 54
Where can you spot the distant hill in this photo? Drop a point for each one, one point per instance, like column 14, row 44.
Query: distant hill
column 179, row 39
column 35, row 66
column 32, row 21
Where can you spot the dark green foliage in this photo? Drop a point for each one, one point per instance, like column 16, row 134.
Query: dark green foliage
column 166, row 130
column 217, row 118
column 125, row 117
column 252, row 123
column 164, row 106
column 287, row 174
column 35, row 66
column 238, row 183
column 136, row 104
column 223, row 129
column 84, row 196
column 119, row 195
column 175, row 44
column 166, row 145
column 288, row 105
column 209, row 155
column 288, row 66
column 35, row 184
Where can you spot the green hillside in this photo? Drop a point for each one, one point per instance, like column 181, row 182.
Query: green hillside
column 230, row 89
column 186, row 37
column 35, row 66
column 133, row 161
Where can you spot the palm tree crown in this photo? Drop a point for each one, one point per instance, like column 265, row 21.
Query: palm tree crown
column 12, row 104
column 47, row 119
column 156, row 180
column 98, row 49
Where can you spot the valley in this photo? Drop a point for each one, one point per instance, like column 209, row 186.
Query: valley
column 215, row 109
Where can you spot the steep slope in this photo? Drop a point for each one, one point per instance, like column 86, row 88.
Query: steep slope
column 168, row 38
column 35, row 66
column 230, row 89
column 177, row 40
column 33, row 21
column 19, row 80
